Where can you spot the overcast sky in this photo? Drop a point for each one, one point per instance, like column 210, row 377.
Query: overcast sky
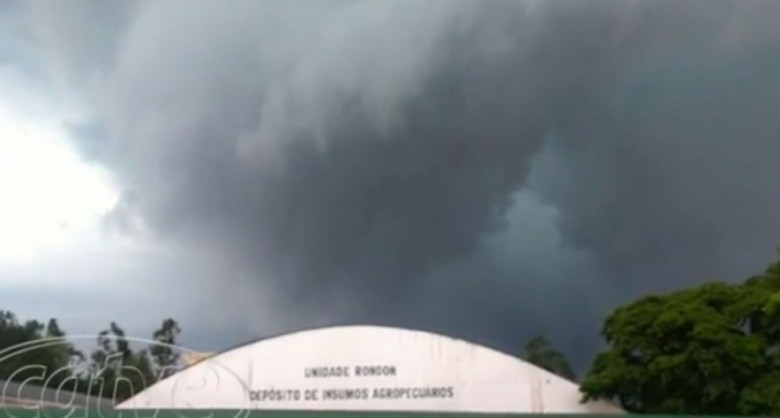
column 486, row 169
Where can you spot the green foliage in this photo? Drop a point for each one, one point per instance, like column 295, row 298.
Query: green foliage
column 24, row 358
column 165, row 357
column 539, row 352
column 117, row 371
column 32, row 350
column 713, row 349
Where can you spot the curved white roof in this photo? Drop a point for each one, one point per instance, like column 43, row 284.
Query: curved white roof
column 367, row 368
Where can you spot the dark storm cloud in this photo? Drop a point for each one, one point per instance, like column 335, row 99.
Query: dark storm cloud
column 368, row 187
column 363, row 159
column 673, row 178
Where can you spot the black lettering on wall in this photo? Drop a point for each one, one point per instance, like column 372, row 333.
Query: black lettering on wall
column 346, row 371
column 349, row 394
column 371, row 371
column 323, row 372
column 310, row 395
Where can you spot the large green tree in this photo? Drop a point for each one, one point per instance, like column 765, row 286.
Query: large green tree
column 538, row 351
column 713, row 349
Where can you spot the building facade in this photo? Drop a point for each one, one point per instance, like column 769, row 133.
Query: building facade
column 366, row 368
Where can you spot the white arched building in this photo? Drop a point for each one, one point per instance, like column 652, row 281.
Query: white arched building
column 367, row 368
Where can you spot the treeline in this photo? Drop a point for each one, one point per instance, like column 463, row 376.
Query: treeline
column 42, row 355
column 713, row 349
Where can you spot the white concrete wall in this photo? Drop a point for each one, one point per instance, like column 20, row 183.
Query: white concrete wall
column 477, row 378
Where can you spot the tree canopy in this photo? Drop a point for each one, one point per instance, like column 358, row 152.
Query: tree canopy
column 539, row 352
column 21, row 357
column 124, row 372
column 114, row 369
column 712, row 349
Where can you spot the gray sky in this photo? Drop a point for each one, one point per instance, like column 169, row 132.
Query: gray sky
column 482, row 168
